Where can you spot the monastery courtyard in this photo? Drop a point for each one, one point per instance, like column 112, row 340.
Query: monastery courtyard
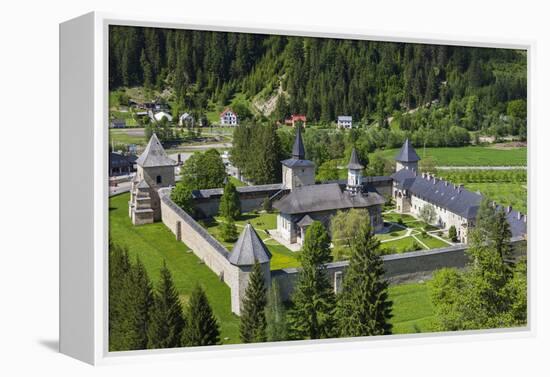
column 402, row 233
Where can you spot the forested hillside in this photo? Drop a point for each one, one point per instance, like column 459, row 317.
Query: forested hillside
column 458, row 88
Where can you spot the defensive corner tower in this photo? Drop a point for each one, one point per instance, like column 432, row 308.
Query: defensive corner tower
column 297, row 171
column 154, row 171
column 407, row 157
column 248, row 250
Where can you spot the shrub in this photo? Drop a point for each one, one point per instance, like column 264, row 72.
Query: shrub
column 452, row 233
column 228, row 231
column 266, row 205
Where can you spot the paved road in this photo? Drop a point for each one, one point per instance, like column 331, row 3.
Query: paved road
column 481, row 167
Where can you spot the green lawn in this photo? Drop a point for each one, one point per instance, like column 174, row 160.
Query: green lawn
column 470, row 156
column 431, row 242
column 401, row 245
column 126, row 136
column 154, row 243
column 514, row 194
column 395, row 231
column 412, row 308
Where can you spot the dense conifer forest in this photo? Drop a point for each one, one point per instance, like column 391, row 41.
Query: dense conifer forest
column 467, row 88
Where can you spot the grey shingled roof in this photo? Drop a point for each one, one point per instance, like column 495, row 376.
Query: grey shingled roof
column 344, row 118
column 206, row 193
column 407, row 153
column 440, row 193
column 249, row 249
column 298, row 153
column 453, row 198
column 154, row 155
column 354, row 163
column 324, row 197
column 143, row 184
column 298, row 150
column 117, row 160
column 305, row 221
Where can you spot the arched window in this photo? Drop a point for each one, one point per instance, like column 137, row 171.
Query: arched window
column 159, row 179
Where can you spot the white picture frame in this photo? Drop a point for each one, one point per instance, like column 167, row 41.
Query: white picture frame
column 84, row 192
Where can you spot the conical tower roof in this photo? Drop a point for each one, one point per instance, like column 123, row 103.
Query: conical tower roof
column 407, row 153
column 298, row 150
column 354, row 163
column 154, row 155
column 249, row 248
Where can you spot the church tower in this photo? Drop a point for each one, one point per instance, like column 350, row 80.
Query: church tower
column 297, row 171
column 355, row 173
column 407, row 157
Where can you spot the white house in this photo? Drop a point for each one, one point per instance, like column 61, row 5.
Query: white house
column 186, row 119
column 229, row 118
column 345, row 121
column 160, row 115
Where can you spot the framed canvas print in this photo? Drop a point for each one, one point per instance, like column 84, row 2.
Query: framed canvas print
column 226, row 188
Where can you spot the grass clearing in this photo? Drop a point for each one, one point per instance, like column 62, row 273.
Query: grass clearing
column 127, row 136
column 431, row 242
column 412, row 308
column 154, row 243
column 401, row 245
column 469, row 156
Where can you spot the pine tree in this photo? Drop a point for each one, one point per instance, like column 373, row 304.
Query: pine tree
column 201, row 328
column 230, row 205
column 228, row 231
column 312, row 314
column 277, row 327
column 253, row 320
column 363, row 307
column 166, row 318
column 143, row 304
column 121, row 317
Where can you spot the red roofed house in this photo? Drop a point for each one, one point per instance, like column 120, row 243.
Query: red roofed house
column 296, row 118
column 229, row 118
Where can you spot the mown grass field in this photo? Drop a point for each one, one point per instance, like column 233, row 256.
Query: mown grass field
column 412, row 308
column 154, row 243
column 127, row 136
column 470, row 156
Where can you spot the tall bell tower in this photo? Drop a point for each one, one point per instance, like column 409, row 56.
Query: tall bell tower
column 355, row 173
column 297, row 171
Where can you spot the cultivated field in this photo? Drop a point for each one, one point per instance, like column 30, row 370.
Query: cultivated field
column 470, row 156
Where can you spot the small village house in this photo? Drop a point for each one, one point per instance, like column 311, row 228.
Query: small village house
column 294, row 118
column 345, row 121
column 118, row 123
column 229, row 118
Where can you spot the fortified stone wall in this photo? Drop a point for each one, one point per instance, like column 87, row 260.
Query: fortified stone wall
column 251, row 198
column 407, row 267
column 400, row 268
column 203, row 245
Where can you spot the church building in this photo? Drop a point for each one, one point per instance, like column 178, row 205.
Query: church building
column 307, row 201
